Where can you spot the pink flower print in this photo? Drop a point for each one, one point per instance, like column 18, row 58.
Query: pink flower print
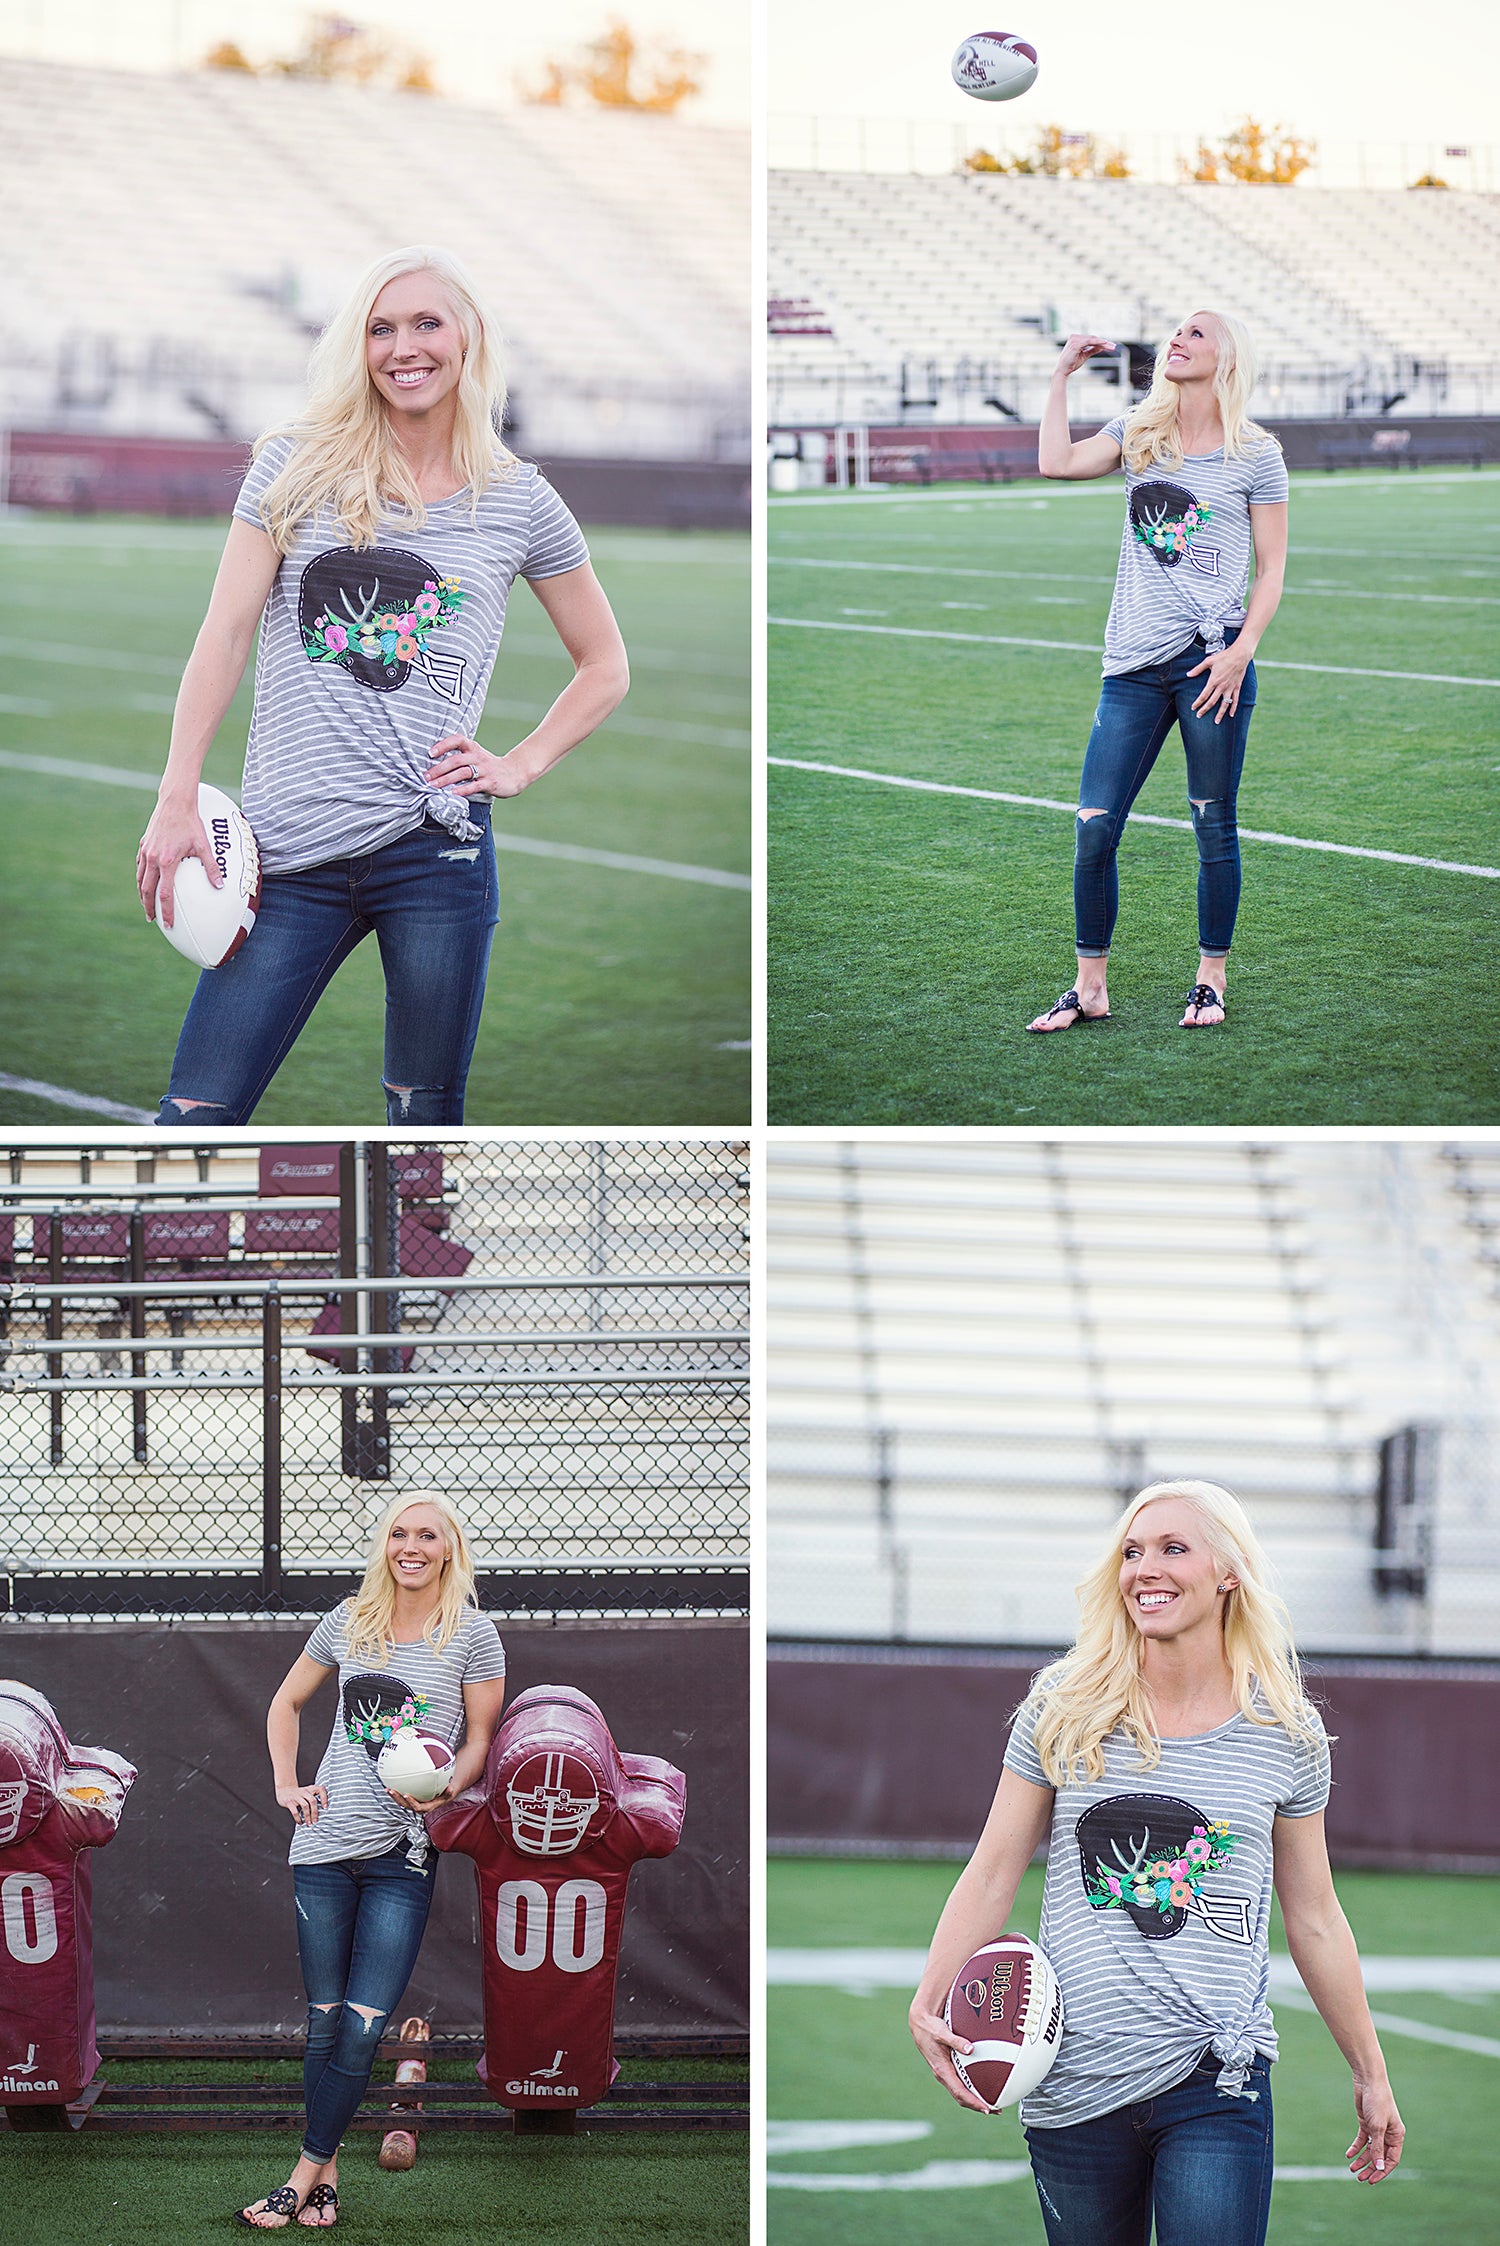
column 1111, row 1883
column 1197, row 1850
column 1178, row 1870
column 427, row 604
column 407, row 647
column 1181, row 1893
column 407, row 623
column 336, row 637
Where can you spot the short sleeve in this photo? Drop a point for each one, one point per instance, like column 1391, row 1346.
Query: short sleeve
column 1268, row 484
column 1312, row 1775
column 484, row 1655
column 554, row 541
column 1115, row 429
column 262, row 473
column 1020, row 1753
column 326, row 1645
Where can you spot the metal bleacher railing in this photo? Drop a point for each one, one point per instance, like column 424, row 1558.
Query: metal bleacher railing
column 178, row 1434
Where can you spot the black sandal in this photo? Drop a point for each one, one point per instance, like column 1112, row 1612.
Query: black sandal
column 1201, row 995
column 321, row 2196
column 1069, row 1003
column 282, row 2201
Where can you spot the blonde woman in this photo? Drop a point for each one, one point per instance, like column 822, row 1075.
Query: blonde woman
column 374, row 542
column 1204, row 485
column 1180, row 1772
column 410, row 1646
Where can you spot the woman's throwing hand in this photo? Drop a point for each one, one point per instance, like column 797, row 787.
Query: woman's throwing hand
column 1080, row 348
column 937, row 2042
column 175, row 832
column 1377, row 2141
column 1220, row 691
column 464, row 768
column 304, row 1802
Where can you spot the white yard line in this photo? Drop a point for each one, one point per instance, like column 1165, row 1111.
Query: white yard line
column 1066, row 577
column 86, row 1102
column 1145, row 818
column 118, row 776
column 1091, row 647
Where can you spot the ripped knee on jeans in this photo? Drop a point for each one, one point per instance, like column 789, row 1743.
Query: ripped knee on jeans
column 176, row 1109
column 370, row 2017
column 1095, row 813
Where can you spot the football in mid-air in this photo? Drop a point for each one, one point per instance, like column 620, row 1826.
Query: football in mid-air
column 1006, row 2002
column 995, row 66
column 208, row 924
column 417, row 1763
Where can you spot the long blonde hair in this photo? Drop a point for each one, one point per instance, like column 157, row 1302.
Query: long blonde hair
column 1099, row 1687
column 370, row 1616
column 1151, row 434
column 345, row 454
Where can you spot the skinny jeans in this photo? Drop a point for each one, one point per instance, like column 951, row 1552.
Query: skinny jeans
column 432, row 903
column 360, row 1924
column 1137, row 710
column 1192, row 2157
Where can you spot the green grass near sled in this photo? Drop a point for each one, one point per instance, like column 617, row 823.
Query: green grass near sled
column 913, row 935
column 615, row 997
column 835, row 2057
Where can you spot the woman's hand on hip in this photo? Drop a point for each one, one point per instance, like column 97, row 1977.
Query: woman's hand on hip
column 1220, row 691
column 304, row 1802
column 1378, row 2139
column 937, row 2043
column 464, row 768
column 174, row 833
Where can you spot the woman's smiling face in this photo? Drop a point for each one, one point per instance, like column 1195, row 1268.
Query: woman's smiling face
column 416, row 1548
column 414, row 347
column 1193, row 353
column 1169, row 1579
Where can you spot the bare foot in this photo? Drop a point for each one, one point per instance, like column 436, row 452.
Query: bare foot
column 1071, row 1008
column 1205, row 1007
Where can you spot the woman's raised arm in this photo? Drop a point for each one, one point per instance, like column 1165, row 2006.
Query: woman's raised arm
column 975, row 1913
column 1057, row 454
column 246, row 572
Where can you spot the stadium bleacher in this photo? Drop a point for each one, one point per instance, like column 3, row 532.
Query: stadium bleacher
column 178, row 239
column 976, row 1353
column 1351, row 294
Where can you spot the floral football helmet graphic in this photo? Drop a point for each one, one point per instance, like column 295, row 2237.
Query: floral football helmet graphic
column 376, row 1706
column 1166, row 518
column 1149, row 1855
column 553, row 1798
column 372, row 611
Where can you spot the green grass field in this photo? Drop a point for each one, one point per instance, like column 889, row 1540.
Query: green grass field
column 616, row 996
column 658, row 2188
column 840, row 2058
column 912, row 935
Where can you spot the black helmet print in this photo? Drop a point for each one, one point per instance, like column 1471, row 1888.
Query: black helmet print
column 376, row 1705
column 373, row 612
column 1150, row 1855
column 1166, row 518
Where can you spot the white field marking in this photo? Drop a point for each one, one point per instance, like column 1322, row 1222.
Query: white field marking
column 1146, row 818
column 529, row 846
column 1391, row 2023
column 1073, row 577
column 1103, row 487
column 155, row 705
column 861, row 1971
column 193, row 538
column 19, row 705
column 92, row 658
column 736, row 1044
column 784, row 2138
column 649, row 728
column 85, row 1101
column 1090, row 647
column 641, row 658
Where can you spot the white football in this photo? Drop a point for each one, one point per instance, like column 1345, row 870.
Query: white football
column 416, row 1763
column 995, row 66
column 1006, row 2003
column 208, row 924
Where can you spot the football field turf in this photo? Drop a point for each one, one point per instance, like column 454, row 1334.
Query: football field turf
column 619, row 984
column 950, row 639
column 864, row 2149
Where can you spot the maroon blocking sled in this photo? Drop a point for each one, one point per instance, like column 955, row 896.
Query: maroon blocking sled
column 57, row 1801
column 554, row 1826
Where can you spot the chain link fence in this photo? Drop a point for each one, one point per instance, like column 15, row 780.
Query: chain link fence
column 219, row 1363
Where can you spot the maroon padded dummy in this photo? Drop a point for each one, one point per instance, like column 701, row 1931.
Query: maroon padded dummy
column 57, row 1801
column 554, row 1826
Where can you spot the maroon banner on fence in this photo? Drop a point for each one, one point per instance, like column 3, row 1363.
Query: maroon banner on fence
column 298, row 1169
column 186, row 1232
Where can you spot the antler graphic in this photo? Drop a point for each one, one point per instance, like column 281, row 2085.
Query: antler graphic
column 367, row 611
column 1137, row 1862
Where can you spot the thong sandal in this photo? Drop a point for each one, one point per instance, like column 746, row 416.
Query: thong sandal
column 1201, row 995
column 283, row 2201
column 1069, row 1003
column 321, row 2196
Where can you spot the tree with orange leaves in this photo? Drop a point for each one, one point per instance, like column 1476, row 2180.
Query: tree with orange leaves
column 1260, row 155
column 616, row 71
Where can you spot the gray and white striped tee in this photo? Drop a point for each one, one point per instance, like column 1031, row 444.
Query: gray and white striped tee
column 1185, row 550
column 361, row 1819
column 368, row 656
column 1156, row 1909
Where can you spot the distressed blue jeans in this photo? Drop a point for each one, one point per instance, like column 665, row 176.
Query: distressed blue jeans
column 1137, row 710
column 359, row 1927
column 1195, row 2158
column 432, row 903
